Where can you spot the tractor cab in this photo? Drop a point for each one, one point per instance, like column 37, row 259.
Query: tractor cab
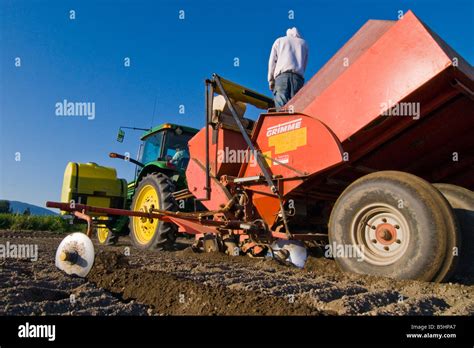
column 166, row 145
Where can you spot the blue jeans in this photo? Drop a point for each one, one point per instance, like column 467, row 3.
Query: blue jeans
column 286, row 86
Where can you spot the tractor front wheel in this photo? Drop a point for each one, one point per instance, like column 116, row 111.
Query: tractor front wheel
column 105, row 236
column 154, row 191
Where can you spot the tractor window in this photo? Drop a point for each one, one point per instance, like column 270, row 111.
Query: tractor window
column 151, row 148
column 170, row 152
column 176, row 148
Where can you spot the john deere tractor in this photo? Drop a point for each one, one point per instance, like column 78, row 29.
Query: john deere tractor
column 160, row 173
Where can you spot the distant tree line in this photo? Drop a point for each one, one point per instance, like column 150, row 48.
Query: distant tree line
column 28, row 222
column 6, row 209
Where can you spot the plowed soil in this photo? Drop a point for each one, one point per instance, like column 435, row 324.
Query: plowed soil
column 182, row 282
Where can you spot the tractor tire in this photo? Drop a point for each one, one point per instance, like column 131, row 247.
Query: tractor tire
column 105, row 236
column 154, row 191
column 394, row 224
column 462, row 202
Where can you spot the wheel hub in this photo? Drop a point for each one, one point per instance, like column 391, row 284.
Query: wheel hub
column 386, row 234
column 382, row 233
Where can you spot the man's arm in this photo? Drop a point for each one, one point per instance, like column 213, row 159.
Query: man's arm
column 305, row 63
column 177, row 156
column 271, row 65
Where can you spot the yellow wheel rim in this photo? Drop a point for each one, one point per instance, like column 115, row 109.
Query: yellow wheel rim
column 102, row 230
column 102, row 234
column 143, row 228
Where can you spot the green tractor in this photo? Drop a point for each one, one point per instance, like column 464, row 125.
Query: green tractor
column 159, row 174
column 161, row 166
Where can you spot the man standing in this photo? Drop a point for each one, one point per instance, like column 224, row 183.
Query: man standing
column 286, row 66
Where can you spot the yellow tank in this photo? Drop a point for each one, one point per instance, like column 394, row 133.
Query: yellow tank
column 91, row 184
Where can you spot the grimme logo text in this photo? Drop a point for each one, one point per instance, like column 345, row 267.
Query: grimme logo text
column 284, row 127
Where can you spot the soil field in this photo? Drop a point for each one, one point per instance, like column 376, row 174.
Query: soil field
column 126, row 281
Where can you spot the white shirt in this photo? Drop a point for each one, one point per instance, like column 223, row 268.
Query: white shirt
column 289, row 53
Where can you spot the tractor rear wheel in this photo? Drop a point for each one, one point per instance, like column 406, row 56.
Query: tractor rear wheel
column 462, row 202
column 154, row 191
column 394, row 224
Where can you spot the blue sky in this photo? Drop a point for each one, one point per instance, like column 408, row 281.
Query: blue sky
column 83, row 60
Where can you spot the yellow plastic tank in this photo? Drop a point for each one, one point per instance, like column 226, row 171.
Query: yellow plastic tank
column 92, row 184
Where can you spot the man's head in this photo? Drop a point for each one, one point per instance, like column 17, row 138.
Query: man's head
column 293, row 32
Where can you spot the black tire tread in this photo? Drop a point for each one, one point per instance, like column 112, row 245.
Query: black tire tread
column 166, row 232
column 462, row 202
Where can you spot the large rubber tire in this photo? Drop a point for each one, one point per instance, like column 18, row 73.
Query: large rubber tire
column 153, row 191
column 462, row 202
column 418, row 219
